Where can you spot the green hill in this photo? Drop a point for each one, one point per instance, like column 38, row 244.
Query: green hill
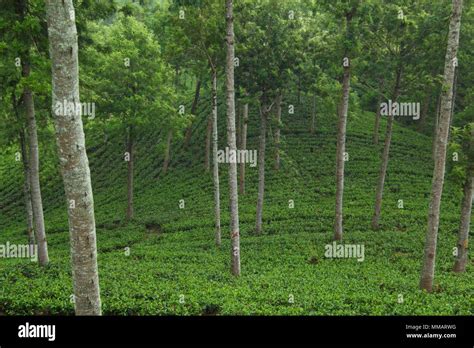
column 174, row 267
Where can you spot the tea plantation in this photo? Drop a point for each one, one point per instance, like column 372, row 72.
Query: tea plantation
column 165, row 262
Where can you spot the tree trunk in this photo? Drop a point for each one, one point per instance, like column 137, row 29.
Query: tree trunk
column 27, row 191
column 385, row 154
column 463, row 235
column 36, row 202
column 424, row 111
column 130, row 144
column 377, row 121
column 451, row 116
column 207, row 155
column 166, row 162
column 313, row 115
column 215, row 173
column 341, row 148
column 427, row 274
column 261, row 168
column 189, row 130
column 277, row 131
column 238, row 129
column 436, row 124
column 72, row 156
column 233, row 195
column 244, row 146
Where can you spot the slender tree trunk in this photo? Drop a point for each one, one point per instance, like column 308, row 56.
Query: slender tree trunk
column 166, row 162
column 427, row 273
column 72, row 156
column 261, row 168
column 313, row 115
column 463, row 235
column 27, row 192
column 215, row 173
column 130, row 143
column 189, row 130
column 377, row 121
column 385, row 155
column 207, row 155
column 424, row 111
column 238, row 130
column 436, row 124
column 36, row 201
column 244, row 146
column 341, row 148
column 233, row 194
column 277, row 131
column 451, row 116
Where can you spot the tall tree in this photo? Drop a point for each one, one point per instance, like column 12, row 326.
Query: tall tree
column 27, row 191
column 72, row 156
column 33, row 162
column 231, row 141
column 427, row 273
column 215, row 173
column 277, row 130
column 243, row 145
column 341, row 131
column 385, row 154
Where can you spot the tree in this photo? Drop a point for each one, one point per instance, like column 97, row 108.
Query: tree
column 427, row 273
column 33, row 167
column 22, row 33
column 201, row 32
column 266, row 36
column 215, row 173
column 341, row 132
column 135, row 88
column 392, row 35
column 466, row 140
column 243, row 145
column 231, row 141
column 72, row 156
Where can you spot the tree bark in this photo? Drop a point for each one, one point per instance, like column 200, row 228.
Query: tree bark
column 427, row 273
column 277, row 131
column 261, row 168
column 245, row 119
column 463, row 235
column 436, row 124
column 189, row 130
column 215, row 172
column 341, row 148
column 377, row 121
column 207, row 155
column 73, row 157
column 233, row 194
column 130, row 143
column 451, row 116
column 166, row 161
column 27, row 191
column 424, row 111
column 385, row 155
column 36, row 202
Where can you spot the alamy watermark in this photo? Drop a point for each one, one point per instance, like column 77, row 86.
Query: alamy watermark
column 335, row 250
column 237, row 156
column 69, row 108
column 25, row 251
column 400, row 109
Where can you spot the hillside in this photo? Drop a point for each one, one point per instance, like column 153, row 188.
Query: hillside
column 174, row 266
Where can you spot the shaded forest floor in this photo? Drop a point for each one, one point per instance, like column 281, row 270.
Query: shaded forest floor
column 174, row 267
